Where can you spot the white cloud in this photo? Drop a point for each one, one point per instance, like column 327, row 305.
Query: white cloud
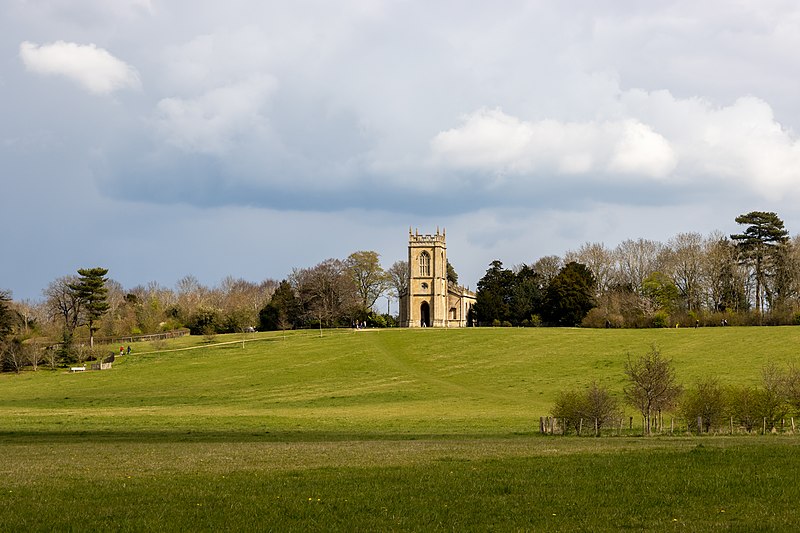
column 641, row 151
column 641, row 137
column 490, row 140
column 92, row 67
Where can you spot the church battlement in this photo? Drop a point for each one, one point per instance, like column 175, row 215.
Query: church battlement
column 416, row 238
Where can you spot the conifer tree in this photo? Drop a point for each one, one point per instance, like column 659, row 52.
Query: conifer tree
column 90, row 289
column 758, row 246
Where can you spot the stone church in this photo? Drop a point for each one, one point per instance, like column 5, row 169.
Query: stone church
column 431, row 300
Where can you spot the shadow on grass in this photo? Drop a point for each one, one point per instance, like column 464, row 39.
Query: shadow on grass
column 182, row 435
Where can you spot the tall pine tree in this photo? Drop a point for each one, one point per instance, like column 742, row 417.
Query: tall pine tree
column 91, row 290
column 758, row 246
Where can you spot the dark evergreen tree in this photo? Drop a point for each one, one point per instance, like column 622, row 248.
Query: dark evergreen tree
column 452, row 275
column 6, row 315
column 527, row 296
column 569, row 296
column 283, row 310
column 758, row 246
column 204, row 321
column 494, row 295
column 91, row 290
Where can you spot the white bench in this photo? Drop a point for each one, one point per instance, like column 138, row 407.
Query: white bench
column 77, row 369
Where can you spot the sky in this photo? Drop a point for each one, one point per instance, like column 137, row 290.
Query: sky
column 165, row 138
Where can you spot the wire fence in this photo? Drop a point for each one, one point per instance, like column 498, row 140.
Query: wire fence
column 549, row 425
column 175, row 333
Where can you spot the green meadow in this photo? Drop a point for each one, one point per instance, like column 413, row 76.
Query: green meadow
column 383, row 430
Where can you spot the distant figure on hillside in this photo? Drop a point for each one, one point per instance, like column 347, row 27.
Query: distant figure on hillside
column 129, row 350
column 121, row 350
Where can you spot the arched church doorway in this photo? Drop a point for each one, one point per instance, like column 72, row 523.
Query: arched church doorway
column 425, row 315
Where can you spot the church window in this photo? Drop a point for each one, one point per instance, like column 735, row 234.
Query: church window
column 424, row 264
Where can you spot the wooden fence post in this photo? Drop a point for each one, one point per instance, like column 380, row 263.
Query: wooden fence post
column 731, row 425
column 541, row 425
column 580, row 426
column 699, row 425
column 596, row 428
column 764, row 429
column 793, row 428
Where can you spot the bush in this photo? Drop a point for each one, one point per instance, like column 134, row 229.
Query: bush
column 743, row 406
column 567, row 408
column 708, row 402
column 661, row 320
column 376, row 321
column 594, row 405
column 203, row 321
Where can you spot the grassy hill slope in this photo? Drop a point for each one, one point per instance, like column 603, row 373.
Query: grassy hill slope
column 386, row 382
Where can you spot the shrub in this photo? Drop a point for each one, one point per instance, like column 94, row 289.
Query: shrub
column 204, row 320
column 743, row 406
column 567, row 408
column 600, row 406
column 661, row 320
column 376, row 321
column 707, row 402
column 772, row 399
column 593, row 406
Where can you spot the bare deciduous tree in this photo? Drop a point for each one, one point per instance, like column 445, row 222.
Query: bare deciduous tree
column 652, row 387
column 398, row 274
column 636, row 260
column 686, row 267
column 326, row 292
column 547, row 268
column 598, row 259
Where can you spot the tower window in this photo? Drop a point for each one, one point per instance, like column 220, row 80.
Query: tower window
column 424, row 264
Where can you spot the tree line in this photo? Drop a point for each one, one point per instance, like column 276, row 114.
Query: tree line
column 747, row 278
column 752, row 277
column 651, row 387
column 61, row 328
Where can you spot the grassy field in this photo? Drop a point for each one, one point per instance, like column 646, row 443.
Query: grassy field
column 393, row 429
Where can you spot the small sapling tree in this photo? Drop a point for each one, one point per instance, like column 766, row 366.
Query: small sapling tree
column 594, row 407
column 652, row 386
column 772, row 399
column 706, row 404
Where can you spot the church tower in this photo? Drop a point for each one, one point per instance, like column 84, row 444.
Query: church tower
column 425, row 305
